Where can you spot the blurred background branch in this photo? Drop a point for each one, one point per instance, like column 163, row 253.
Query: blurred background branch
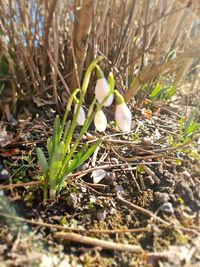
column 45, row 46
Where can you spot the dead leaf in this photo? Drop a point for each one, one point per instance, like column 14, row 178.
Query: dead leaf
column 5, row 139
column 146, row 112
column 98, row 175
column 7, row 153
column 41, row 102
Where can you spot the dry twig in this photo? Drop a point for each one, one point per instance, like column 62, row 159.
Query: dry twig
column 86, row 240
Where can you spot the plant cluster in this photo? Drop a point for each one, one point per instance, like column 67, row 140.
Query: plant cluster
column 189, row 127
column 63, row 157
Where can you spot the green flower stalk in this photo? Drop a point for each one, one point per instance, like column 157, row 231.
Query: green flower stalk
column 62, row 157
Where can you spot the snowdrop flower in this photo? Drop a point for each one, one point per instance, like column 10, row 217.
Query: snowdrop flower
column 100, row 121
column 102, row 89
column 123, row 115
column 81, row 115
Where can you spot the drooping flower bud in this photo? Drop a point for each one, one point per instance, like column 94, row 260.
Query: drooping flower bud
column 123, row 115
column 100, row 121
column 102, row 89
column 81, row 115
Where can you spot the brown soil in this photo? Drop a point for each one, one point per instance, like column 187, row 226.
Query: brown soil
column 149, row 197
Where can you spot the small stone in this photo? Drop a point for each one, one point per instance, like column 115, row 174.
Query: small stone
column 71, row 201
column 110, row 175
column 119, row 190
column 186, row 174
column 166, row 189
column 113, row 211
column 101, row 215
column 114, row 160
column 85, row 167
column 93, row 199
column 4, row 175
column 167, row 208
column 147, row 141
column 161, row 197
column 149, row 180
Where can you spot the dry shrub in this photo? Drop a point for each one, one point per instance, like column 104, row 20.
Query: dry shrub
column 46, row 45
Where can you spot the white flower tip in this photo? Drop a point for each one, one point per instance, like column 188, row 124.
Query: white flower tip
column 100, row 121
column 123, row 117
column 81, row 115
column 102, row 90
column 108, row 101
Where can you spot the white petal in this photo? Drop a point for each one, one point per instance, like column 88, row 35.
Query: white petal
column 101, row 91
column 100, row 121
column 109, row 101
column 81, row 115
column 123, row 117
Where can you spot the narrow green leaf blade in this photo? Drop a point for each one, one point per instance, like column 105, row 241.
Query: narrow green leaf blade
column 49, row 146
column 42, row 160
column 56, row 132
column 83, row 158
column 75, row 162
column 56, row 165
column 90, row 151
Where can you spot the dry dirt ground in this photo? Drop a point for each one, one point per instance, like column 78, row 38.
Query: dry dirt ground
column 136, row 202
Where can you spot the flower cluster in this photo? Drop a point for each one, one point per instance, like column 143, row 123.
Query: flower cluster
column 105, row 96
column 63, row 155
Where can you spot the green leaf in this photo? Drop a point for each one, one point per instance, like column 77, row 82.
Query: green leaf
column 90, row 151
column 49, row 146
column 181, row 128
column 170, row 92
column 42, row 161
column 68, row 108
column 56, row 165
column 80, row 160
column 75, row 162
column 170, row 54
column 56, row 132
column 111, row 81
column 155, row 91
column 191, row 126
column 192, row 129
column 66, row 130
column 140, row 169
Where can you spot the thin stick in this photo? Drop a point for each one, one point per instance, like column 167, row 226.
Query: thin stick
column 139, row 157
column 151, row 173
column 59, row 73
column 10, row 186
column 140, row 210
column 86, row 240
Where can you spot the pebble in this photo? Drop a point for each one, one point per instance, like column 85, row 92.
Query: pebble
column 167, row 207
column 101, row 215
column 4, row 175
column 149, row 180
column 161, row 197
column 186, row 174
column 71, row 201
